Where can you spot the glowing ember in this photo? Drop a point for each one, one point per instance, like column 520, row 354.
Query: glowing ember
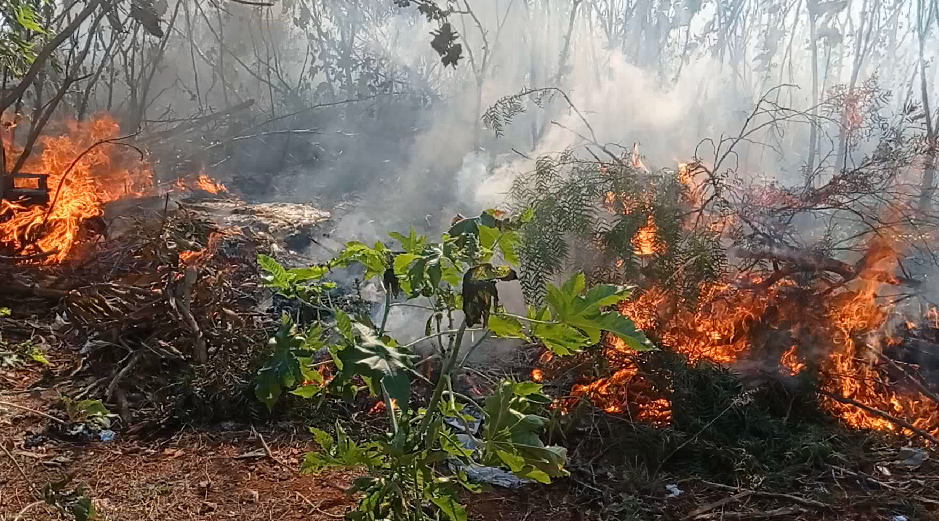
column 191, row 257
column 380, row 407
column 208, row 185
column 537, row 375
column 101, row 175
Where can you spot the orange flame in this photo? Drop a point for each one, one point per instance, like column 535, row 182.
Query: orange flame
column 791, row 362
column 644, row 240
column 103, row 174
column 206, row 184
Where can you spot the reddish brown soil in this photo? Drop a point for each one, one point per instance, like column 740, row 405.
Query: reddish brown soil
column 191, row 474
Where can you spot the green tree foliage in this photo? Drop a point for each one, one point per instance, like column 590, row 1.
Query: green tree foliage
column 460, row 272
column 21, row 33
column 598, row 208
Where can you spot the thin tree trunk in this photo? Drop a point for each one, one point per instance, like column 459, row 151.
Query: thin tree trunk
column 813, row 132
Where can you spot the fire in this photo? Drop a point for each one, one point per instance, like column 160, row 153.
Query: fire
column 791, row 362
column 208, row 185
column 644, row 241
column 636, row 159
column 102, row 174
column 537, row 375
column 733, row 321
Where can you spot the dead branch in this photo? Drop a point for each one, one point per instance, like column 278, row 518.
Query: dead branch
column 34, row 256
column 267, row 449
column 185, row 309
column 200, row 121
column 811, row 262
column 116, row 141
column 876, row 412
column 927, row 392
column 120, row 374
column 256, row 4
column 796, row 499
column 34, row 411
column 779, row 512
column 717, row 504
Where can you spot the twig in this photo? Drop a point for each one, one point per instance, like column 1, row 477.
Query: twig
column 317, row 508
column 797, row 499
column 120, row 374
column 717, row 504
column 75, row 161
column 34, row 411
column 256, row 4
column 27, row 507
column 779, row 512
column 918, row 384
column 866, row 478
column 892, row 419
column 19, row 468
column 267, row 449
column 34, row 256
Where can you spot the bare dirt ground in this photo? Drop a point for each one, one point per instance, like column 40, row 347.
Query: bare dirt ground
column 189, row 474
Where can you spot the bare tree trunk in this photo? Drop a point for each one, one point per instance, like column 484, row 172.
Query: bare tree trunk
column 927, row 188
column 813, row 132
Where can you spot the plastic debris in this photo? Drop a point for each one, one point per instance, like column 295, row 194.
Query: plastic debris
column 492, row 475
column 912, row 457
column 673, row 491
column 106, row 435
column 899, row 518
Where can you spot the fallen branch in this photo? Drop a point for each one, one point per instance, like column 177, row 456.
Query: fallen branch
column 267, row 449
column 775, row 495
column 813, row 262
column 28, row 508
column 316, row 508
column 120, row 374
column 35, row 290
column 717, row 504
column 865, row 477
column 881, row 414
column 927, row 392
column 20, row 469
column 200, row 121
column 779, row 512
column 33, row 256
column 34, row 411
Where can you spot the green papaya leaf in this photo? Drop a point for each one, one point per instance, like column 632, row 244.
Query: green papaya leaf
column 585, row 313
column 343, row 324
column 283, row 367
column 506, row 327
column 307, row 391
column 403, row 262
column 386, row 365
column 561, row 339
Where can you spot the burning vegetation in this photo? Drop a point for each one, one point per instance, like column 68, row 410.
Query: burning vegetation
column 723, row 274
column 83, row 170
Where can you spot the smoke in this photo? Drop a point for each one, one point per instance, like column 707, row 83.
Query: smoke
column 392, row 139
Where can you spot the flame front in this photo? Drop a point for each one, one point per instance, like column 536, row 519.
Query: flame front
column 101, row 175
column 751, row 317
column 207, row 184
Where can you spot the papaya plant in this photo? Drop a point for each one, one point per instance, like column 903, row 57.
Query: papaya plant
column 456, row 280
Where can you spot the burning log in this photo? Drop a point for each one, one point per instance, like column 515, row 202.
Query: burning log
column 881, row 414
column 803, row 261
